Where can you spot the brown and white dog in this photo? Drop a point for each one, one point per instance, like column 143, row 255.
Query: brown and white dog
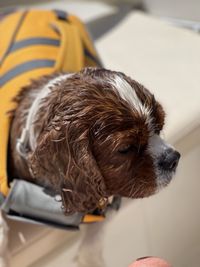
column 91, row 135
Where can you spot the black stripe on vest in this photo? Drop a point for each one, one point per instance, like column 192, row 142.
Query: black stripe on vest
column 24, row 67
column 34, row 41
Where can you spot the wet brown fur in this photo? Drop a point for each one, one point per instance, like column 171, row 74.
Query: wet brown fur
column 83, row 124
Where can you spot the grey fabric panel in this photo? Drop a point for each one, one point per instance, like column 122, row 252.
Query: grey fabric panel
column 30, row 203
column 2, row 198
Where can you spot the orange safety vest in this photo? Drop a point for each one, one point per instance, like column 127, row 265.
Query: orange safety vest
column 36, row 43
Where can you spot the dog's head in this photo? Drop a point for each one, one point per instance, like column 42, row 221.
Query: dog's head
column 103, row 138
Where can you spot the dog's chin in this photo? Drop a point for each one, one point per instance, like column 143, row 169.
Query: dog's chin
column 145, row 193
column 163, row 179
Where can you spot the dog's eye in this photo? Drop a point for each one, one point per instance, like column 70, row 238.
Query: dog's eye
column 125, row 149
column 140, row 149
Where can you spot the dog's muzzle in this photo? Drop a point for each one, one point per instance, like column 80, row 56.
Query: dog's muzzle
column 165, row 159
column 169, row 160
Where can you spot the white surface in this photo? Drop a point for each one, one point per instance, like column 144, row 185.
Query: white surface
column 166, row 60
column 29, row 243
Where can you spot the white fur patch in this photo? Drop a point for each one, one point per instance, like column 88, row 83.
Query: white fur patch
column 127, row 92
column 36, row 104
column 28, row 134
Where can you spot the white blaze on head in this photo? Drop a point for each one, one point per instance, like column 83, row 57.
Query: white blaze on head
column 127, row 93
column 36, row 104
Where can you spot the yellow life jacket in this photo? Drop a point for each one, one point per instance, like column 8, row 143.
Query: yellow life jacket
column 36, row 43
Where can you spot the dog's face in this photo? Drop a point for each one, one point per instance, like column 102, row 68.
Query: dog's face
column 134, row 160
column 111, row 128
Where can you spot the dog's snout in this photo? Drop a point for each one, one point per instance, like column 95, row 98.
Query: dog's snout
column 170, row 160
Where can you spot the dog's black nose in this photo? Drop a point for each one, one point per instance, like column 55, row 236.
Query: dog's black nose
column 170, row 160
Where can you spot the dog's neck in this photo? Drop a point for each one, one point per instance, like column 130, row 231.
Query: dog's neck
column 28, row 138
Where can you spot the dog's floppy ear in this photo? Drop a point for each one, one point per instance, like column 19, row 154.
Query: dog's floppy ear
column 83, row 188
column 68, row 163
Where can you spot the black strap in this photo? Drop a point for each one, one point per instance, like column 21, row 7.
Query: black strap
column 62, row 15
